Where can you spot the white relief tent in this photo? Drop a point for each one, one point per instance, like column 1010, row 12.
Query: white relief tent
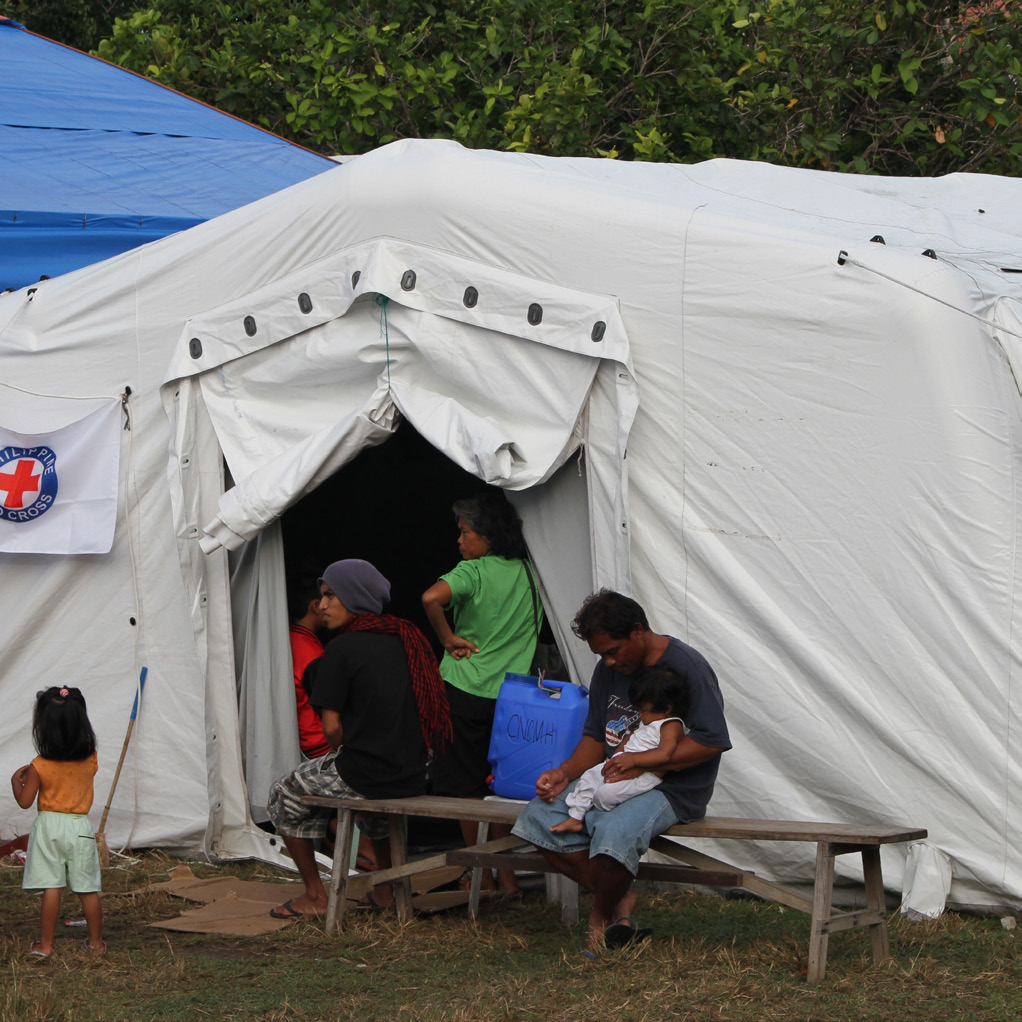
column 796, row 446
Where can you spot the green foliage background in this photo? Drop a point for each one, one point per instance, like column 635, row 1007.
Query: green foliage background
column 901, row 88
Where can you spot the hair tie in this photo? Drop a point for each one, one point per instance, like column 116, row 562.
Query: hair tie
column 64, row 692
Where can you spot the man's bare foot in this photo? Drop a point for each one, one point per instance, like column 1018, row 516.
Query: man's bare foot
column 570, row 825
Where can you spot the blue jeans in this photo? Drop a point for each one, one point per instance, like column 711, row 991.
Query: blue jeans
column 623, row 833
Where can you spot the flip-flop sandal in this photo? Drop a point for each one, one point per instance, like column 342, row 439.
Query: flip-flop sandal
column 288, row 911
column 34, row 954
column 94, row 950
column 368, row 903
column 625, row 931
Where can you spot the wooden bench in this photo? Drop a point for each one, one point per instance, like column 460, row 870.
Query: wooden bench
column 687, row 865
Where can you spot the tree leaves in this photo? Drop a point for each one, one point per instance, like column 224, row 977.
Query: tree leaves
column 895, row 87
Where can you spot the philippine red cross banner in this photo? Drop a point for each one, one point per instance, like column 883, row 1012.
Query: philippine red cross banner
column 58, row 490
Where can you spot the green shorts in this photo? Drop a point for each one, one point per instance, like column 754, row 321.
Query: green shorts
column 62, row 851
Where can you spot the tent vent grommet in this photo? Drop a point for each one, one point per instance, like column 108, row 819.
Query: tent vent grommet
column 354, row 278
column 470, row 298
column 599, row 329
column 305, row 303
column 195, row 348
column 535, row 314
column 408, row 281
column 842, row 257
column 929, row 253
column 250, row 326
column 132, row 622
column 878, row 239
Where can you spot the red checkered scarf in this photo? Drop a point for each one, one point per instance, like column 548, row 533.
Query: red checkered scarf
column 428, row 686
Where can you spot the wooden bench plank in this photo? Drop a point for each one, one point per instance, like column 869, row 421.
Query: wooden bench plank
column 852, row 920
column 533, row 862
column 432, row 806
column 737, row 829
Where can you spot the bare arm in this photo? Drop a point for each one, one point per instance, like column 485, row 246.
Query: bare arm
column 587, row 754
column 671, row 734
column 25, row 785
column 688, row 753
column 434, row 599
column 332, row 730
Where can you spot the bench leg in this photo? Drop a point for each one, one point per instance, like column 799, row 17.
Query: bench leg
column 874, row 879
column 398, row 857
column 339, row 873
column 823, row 894
column 482, row 836
column 567, row 894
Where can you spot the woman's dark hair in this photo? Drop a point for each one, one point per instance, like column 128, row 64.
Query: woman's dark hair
column 489, row 514
column 665, row 690
column 60, row 725
column 610, row 613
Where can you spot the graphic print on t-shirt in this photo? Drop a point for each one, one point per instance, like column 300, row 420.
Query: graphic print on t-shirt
column 622, row 720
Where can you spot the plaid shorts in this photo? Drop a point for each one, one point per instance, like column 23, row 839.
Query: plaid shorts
column 293, row 818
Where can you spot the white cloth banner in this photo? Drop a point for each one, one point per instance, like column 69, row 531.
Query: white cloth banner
column 58, row 490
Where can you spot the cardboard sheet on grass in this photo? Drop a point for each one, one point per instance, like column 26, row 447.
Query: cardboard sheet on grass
column 242, row 907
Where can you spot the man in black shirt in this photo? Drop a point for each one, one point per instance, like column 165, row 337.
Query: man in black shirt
column 382, row 704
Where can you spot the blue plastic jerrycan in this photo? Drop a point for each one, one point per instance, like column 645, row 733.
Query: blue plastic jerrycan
column 534, row 728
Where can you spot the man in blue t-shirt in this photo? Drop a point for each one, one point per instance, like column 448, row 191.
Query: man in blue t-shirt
column 604, row 857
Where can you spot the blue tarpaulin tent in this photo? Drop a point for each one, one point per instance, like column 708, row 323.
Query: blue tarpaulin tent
column 95, row 160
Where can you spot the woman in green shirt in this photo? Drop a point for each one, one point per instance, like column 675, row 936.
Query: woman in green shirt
column 496, row 614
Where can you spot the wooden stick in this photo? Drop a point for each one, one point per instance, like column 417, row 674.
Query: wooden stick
column 101, row 845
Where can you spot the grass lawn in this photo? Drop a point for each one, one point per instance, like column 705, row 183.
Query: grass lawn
column 709, row 959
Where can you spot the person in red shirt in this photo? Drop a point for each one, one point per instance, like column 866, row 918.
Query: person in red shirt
column 306, row 623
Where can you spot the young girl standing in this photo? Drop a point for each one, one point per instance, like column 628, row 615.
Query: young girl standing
column 61, row 844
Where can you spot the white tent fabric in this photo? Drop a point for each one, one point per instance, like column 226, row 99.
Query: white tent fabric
column 796, row 446
column 267, row 717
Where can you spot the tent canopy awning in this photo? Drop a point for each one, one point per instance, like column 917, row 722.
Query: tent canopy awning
column 95, row 160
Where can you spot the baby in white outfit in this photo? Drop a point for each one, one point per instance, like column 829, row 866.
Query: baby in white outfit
column 659, row 694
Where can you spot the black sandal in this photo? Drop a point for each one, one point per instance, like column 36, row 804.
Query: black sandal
column 368, row 903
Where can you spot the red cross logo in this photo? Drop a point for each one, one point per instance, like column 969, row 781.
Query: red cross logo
column 19, row 482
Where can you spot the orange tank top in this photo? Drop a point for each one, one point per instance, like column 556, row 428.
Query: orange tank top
column 65, row 786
